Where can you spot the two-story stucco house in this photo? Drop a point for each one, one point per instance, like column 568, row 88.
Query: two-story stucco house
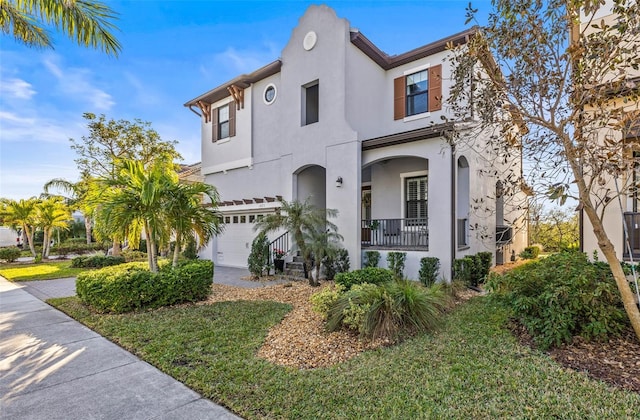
column 337, row 121
column 621, row 109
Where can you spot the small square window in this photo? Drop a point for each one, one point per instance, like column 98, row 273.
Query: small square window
column 235, row 219
column 243, row 219
column 252, row 218
column 260, row 217
column 227, row 219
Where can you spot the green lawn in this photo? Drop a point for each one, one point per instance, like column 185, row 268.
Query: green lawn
column 473, row 368
column 42, row 271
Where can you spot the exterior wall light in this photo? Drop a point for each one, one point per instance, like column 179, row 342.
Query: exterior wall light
column 339, row 182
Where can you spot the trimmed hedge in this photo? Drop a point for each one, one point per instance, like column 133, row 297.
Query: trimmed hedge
column 371, row 275
column 96, row 261
column 10, row 254
column 66, row 248
column 130, row 287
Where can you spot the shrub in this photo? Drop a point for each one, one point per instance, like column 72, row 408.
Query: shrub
column 464, row 270
column 562, row 296
column 388, row 311
column 371, row 258
column 530, row 253
column 258, row 260
column 395, row 262
column 10, row 253
column 131, row 255
column 97, row 261
column 334, row 264
column 67, row 248
column 190, row 251
column 429, row 268
column 129, row 287
column 373, row 275
column 324, row 299
column 483, row 264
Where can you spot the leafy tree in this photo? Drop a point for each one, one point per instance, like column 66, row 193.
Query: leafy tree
column 299, row 218
column 188, row 218
column 89, row 23
column 111, row 141
column 566, row 94
column 77, row 197
column 51, row 213
column 20, row 214
column 555, row 229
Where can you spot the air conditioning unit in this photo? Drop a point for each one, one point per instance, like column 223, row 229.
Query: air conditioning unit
column 504, row 235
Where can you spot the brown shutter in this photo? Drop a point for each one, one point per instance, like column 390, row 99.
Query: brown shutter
column 232, row 119
column 435, row 88
column 214, row 125
column 399, row 86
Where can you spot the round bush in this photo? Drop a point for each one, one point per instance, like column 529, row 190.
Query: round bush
column 131, row 286
column 10, row 253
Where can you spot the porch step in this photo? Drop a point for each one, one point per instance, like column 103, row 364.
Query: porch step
column 298, row 259
column 295, row 265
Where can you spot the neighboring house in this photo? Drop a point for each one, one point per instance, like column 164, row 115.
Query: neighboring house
column 190, row 173
column 626, row 212
column 337, row 121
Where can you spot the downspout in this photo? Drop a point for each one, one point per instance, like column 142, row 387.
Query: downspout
column 453, row 206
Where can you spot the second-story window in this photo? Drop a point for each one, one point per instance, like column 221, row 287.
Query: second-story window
column 224, row 122
column 310, row 103
column 417, row 92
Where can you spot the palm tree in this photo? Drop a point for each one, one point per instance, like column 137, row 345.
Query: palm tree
column 51, row 213
column 77, row 198
column 133, row 200
column 298, row 217
column 187, row 216
column 20, row 213
column 322, row 241
column 89, row 23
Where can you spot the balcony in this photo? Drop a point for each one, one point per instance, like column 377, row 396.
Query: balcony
column 406, row 234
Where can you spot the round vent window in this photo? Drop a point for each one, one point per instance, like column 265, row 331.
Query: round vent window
column 270, row 94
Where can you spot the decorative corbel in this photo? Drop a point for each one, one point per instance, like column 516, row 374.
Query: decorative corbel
column 206, row 110
column 238, row 96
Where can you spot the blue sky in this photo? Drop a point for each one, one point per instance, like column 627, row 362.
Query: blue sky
column 172, row 52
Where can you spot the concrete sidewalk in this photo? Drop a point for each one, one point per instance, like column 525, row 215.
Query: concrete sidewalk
column 52, row 367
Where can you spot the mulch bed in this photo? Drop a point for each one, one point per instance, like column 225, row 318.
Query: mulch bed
column 300, row 341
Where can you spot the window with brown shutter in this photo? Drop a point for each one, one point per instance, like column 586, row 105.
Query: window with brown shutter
column 223, row 122
column 417, row 93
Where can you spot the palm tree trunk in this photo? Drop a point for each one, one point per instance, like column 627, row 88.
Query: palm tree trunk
column 116, row 247
column 87, row 228
column 29, row 235
column 45, row 244
column 176, row 250
column 151, row 249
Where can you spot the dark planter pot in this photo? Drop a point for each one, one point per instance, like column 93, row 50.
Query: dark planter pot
column 278, row 265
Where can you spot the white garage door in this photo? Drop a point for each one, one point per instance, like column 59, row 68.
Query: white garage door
column 234, row 245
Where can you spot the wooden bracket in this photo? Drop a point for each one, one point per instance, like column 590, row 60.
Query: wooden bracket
column 238, row 96
column 206, row 110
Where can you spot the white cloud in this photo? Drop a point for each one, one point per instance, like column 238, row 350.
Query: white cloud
column 30, row 129
column 76, row 83
column 244, row 61
column 17, row 88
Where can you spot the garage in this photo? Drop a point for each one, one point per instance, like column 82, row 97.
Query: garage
column 234, row 245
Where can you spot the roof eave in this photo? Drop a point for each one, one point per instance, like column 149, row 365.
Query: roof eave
column 242, row 81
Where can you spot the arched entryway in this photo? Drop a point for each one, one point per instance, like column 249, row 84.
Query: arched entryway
column 310, row 183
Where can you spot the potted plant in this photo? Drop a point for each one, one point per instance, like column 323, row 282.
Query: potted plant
column 278, row 260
